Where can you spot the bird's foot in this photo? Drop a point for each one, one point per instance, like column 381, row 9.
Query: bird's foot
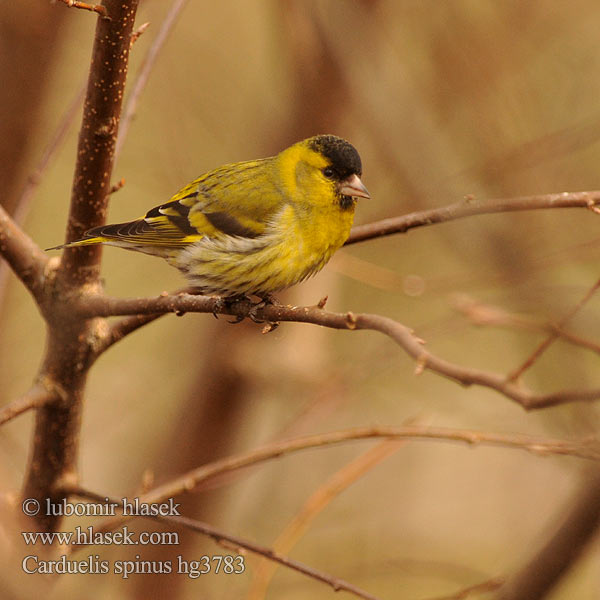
column 266, row 300
column 226, row 302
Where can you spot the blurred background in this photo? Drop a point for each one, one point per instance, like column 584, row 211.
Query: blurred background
column 442, row 100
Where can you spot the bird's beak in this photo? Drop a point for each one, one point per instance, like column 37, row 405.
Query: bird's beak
column 353, row 186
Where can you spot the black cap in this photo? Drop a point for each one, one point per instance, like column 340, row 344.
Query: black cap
column 344, row 158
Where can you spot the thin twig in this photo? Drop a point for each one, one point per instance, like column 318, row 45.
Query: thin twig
column 98, row 305
column 587, row 448
column 50, row 151
column 35, row 397
column 56, row 142
column 220, row 536
column 314, row 506
column 543, row 346
column 144, row 72
column 486, row 314
column 115, row 187
column 97, row 8
column 138, row 31
column 485, row 586
column 24, row 202
column 469, row 208
column 117, row 331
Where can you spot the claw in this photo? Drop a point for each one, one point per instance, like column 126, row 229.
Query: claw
column 228, row 302
column 219, row 306
column 225, row 302
column 266, row 300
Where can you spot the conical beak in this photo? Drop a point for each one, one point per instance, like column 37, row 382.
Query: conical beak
column 353, row 186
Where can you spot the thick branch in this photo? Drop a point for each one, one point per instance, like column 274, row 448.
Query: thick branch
column 22, row 254
column 69, row 349
column 97, row 305
column 102, row 107
column 468, row 208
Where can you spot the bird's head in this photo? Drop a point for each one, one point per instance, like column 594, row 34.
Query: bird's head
column 323, row 169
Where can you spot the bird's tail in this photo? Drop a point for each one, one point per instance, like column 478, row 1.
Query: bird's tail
column 88, row 240
column 118, row 234
column 136, row 235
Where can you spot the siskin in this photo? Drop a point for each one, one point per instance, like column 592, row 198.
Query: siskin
column 252, row 227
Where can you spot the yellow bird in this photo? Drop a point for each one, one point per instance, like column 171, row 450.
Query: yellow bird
column 255, row 227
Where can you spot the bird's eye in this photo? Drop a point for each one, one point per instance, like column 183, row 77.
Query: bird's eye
column 328, row 172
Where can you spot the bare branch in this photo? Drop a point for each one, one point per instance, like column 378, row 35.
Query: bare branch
column 22, row 254
column 549, row 564
column 24, row 202
column 138, row 32
column 532, row 358
column 587, row 448
column 115, row 187
column 69, row 348
column 97, row 305
column 56, row 141
column 95, row 152
column 97, row 8
column 318, row 501
column 122, row 328
column 469, row 208
column 221, row 537
column 486, row 314
column 485, row 586
column 37, row 396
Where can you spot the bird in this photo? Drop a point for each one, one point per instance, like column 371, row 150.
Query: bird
column 251, row 228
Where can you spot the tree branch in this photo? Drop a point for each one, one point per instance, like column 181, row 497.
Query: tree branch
column 122, row 328
column 481, row 314
column 485, row 586
column 21, row 209
column 587, row 448
column 69, row 348
column 98, row 135
column 37, row 396
column 544, row 345
column 23, row 255
column 220, row 536
column 97, row 8
column 469, row 208
column 98, row 305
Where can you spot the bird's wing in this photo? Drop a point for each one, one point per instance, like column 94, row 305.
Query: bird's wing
column 233, row 200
